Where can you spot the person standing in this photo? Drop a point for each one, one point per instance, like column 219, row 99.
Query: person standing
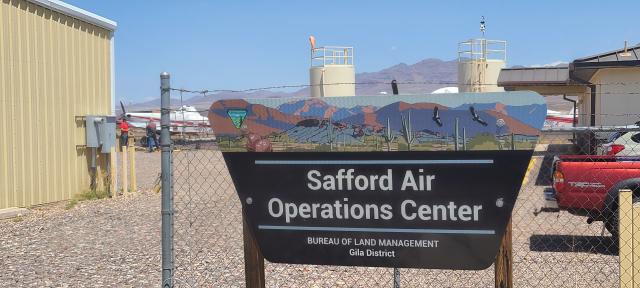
column 155, row 135
column 124, row 133
column 151, row 135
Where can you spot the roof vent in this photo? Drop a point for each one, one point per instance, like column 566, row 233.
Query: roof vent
column 626, row 52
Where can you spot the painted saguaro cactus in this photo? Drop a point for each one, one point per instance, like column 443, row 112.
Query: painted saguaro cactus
column 388, row 135
column 407, row 131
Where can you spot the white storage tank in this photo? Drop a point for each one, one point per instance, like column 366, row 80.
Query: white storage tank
column 479, row 64
column 332, row 72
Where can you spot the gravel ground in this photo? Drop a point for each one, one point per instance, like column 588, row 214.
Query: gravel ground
column 116, row 243
column 550, row 249
column 101, row 243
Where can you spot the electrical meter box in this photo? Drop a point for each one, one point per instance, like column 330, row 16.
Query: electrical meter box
column 101, row 132
column 108, row 134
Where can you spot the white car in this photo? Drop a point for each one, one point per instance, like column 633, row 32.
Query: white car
column 622, row 144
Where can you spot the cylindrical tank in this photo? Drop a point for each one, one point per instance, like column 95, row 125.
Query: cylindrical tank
column 479, row 65
column 332, row 73
column 479, row 76
column 332, row 80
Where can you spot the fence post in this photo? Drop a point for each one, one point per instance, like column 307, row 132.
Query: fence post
column 132, row 165
column 125, row 183
column 113, row 175
column 396, row 278
column 167, row 205
column 628, row 240
column 635, row 211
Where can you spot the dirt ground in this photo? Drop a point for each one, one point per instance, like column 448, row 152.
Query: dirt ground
column 116, row 243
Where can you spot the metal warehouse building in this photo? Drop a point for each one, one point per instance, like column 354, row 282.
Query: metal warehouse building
column 56, row 66
column 606, row 85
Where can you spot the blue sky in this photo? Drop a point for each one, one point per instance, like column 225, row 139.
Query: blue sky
column 245, row 44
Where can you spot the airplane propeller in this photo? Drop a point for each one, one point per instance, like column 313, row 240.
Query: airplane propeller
column 436, row 116
column 476, row 117
column 124, row 114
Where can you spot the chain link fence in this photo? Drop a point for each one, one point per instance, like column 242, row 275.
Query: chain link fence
column 551, row 247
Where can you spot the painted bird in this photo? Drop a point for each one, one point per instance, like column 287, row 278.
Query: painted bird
column 436, row 116
column 476, row 117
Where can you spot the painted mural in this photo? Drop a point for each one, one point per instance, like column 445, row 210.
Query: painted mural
column 440, row 122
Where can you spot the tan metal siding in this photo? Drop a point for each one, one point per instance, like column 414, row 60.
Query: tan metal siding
column 616, row 103
column 52, row 68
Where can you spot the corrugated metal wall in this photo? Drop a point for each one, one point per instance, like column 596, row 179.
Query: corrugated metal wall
column 52, row 68
column 617, row 104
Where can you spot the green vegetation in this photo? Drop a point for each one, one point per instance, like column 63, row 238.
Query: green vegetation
column 85, row 196
column 385, row 141
column 484, row 141
column 324, row 148
column 232, row 143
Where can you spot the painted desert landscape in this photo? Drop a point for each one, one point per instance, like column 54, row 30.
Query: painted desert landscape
column 467, row 121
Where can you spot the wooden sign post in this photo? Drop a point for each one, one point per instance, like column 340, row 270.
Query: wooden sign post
column 253, row 259
column 504, row 261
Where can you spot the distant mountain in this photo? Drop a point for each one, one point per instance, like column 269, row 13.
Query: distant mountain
column 424, row 72
column 203, row 102
column 320, row 109
column 147, row 106
column 428, row 70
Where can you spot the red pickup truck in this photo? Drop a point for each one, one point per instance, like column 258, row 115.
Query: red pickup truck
column 588, row 185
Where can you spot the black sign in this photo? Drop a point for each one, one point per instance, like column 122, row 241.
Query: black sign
column 396, row 195
column 418, row 209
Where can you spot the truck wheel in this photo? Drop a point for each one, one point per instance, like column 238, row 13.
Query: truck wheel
column 611, row 212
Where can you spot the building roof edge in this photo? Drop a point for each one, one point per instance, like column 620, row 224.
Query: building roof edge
column 78, row 13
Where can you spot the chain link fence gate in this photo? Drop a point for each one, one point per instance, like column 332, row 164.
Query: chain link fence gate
column 549, row 249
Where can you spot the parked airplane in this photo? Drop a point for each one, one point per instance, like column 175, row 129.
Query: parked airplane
column 559, row 119
column 185, row 119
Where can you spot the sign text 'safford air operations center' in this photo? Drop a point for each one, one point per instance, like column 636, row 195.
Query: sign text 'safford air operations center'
column 421, row 181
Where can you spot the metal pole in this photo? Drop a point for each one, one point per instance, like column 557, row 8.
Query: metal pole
column 455, row 135
column 464, row 138
column 167, row 205
column 182, row 110
column 396, row 278
column 513, row 141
